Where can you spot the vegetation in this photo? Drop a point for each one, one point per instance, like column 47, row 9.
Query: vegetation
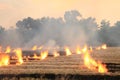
column 71, row 30
column 64, row 68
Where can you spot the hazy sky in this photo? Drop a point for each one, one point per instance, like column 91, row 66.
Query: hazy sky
column 13, row 10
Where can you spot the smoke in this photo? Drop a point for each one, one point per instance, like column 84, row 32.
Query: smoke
column 68, row 32
column 72, row 30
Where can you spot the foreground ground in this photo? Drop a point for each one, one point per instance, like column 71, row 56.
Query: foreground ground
column 65, row 68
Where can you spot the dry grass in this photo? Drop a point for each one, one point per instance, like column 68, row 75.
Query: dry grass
column 72, row 64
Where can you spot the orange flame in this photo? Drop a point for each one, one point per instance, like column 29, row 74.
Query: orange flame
column 92, row 64
column 85, row 49
column 19, row 55
column 34, row 48
column 89, row 62
column 4, row 59
column 104, row 46
column 25, row 57
column 102, row 68
column 91, row 49
column 68, row 52
column 36, row 57
column 78, row 51
column 40, row 47
column 8, row 49
column 44, row 54
column 56, row 54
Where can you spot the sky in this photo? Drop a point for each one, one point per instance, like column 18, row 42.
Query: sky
column 13, row 10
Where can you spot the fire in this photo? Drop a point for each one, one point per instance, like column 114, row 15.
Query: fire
column 40, row 47
column 36, row 57
column 25, row 57
column 56, row 54
column 4, row 59
column 8, row 49
column 91, row 49
column 90, row 63
column 34, row 48
column 68, row 52
column 85, row 49
column 44, row 54
column 78, row 51
column 18, row 53
column 104, row 46
column 102, row 68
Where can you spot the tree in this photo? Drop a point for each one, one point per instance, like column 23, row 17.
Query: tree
column 104, row 32
column 2, row 29
column 28, row 24
column 71, row 16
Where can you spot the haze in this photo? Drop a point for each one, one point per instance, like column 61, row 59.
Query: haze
column 13, row 10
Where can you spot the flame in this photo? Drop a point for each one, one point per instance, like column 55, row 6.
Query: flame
column 104, row 46
column 8, row 49
column 44, row 54
column 25, row 57
column 40, row 47
column 68, row 52
column 78, row 51
column 85, row 49
column 56, row 54
column 90, row 63
column 4, row 59
column 91, row 49
column 102, row 68
column 34, row 48
column 19, row 55
column 36, row 57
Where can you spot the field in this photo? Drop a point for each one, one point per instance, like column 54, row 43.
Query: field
column 65, row 68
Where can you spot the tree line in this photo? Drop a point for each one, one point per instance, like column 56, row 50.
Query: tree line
column 72, row 29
